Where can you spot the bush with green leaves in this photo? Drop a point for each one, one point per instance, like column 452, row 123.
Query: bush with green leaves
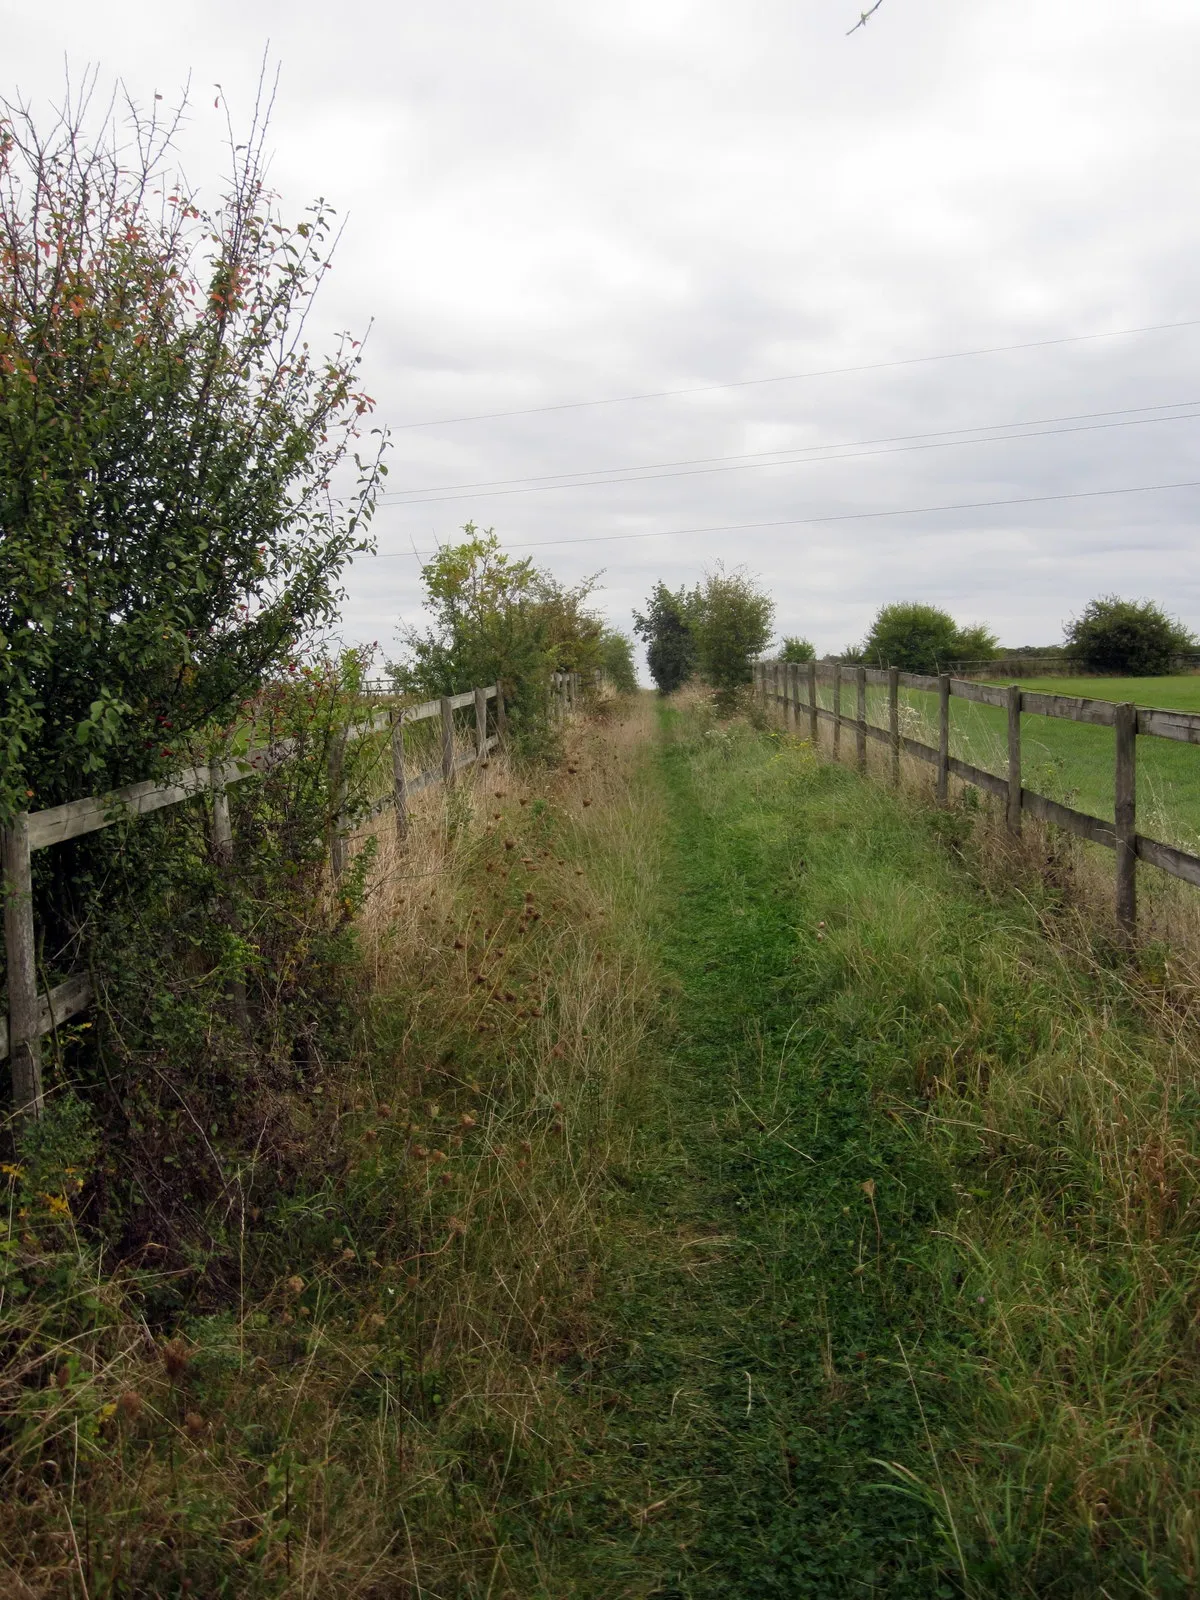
column 616, row 661
column 922, row 638
column 794, row 648
column 167, row 442
column 666, row 626
column 497, row 619
column 1135, row 638
column 732, row 627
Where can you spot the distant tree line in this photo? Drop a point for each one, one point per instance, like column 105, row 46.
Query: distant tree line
column 715, row 631
column 1111, row 635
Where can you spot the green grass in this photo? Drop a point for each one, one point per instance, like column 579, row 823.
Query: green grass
column 735, row 1197
column 896, row 1298
column 1071, row 761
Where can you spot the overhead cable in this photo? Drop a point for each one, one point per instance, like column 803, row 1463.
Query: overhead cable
column 829, row 517
column 795, row 377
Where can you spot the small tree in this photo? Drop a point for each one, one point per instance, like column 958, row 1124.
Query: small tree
column 1127, row 637
column 922, row 638
column 733, row 625
column 616, row 661
column 167, row 443
column 794, row 648
column 976, row 643
column 667, row 628
column 498, row 619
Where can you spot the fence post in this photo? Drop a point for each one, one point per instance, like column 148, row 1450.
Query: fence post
column 1126, row 818
column 481, row 724
column 793, row 672
column 1014, row 758
column 837, row 709
column 860, row 733
column 399, row 782
column 222, row 827
column 447, row 741
column 894, row 721
column 943, row 761
column 813, row 729
column 24, row 1041
column 337, row 803
column 222, row 834
column 501, row 713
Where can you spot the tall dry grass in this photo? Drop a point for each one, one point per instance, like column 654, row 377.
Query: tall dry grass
column 386, row 1394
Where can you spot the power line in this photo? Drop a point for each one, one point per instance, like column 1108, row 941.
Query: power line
column 841, row 516
column 706, row 465
column 793, row 377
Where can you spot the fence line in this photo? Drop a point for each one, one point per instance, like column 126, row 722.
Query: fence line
column 779, row 682
column 32, row 1014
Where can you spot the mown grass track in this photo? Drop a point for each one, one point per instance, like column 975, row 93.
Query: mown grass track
column 873, row 1328
column 765, row 1373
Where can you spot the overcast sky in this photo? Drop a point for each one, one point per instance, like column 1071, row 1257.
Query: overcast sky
column 561, row 202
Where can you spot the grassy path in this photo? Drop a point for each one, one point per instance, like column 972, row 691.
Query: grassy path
column 767, row 1340
column 805, row 1389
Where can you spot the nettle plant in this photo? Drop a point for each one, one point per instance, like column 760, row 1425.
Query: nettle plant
column 168, row 441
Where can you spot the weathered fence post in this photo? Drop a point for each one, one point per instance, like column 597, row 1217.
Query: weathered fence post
column 813, row 729
column 399, row 782
column 860, row 733
column 943, row 761
column 222, row 838
column 447, row 741
column 1126, row 818
column 222, row 827
column 337, row 803
column 501, row 713
column 24, row 1042
column 481, row 723
column 794, row 689
column 894, row 721
column 837, row 709
column 1013, row 816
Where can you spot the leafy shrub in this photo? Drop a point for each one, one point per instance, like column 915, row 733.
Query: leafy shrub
column 732, row 627
column 167, row 439
column 1133, row 637
column 616, row 661
column 922, row 638
column 667, row 628
column 794, row 648
column 498, row 619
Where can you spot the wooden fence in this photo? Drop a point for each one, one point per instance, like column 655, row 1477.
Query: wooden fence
column 30, row 1014
column 780, row 683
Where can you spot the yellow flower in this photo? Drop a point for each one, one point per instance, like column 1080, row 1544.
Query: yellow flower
column 57, row 1205
column 11, row 1172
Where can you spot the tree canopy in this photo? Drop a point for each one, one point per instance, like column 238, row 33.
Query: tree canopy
column 666, row 627
column 167, row 444
column 1135, row 637
column 922, row 638
column 496, row 618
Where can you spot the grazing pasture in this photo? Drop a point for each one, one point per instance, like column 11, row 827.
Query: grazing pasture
column 1069, row 761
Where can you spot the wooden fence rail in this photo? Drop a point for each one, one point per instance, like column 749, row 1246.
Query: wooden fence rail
column 780, row 683
column 32, row 1014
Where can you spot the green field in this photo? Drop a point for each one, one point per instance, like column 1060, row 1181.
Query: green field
column 1069, row 761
